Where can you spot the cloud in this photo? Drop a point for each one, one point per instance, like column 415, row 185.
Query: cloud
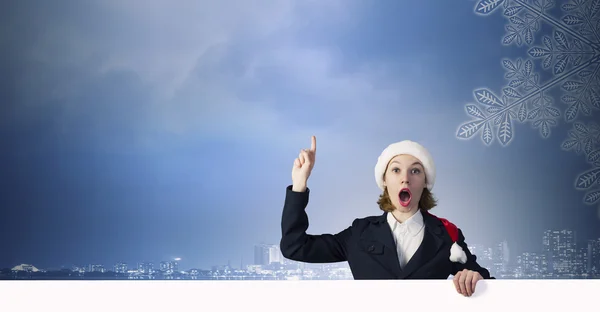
column 162, row 41
column 231, row 69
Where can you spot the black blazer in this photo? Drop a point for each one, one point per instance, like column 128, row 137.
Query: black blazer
column 368, row 246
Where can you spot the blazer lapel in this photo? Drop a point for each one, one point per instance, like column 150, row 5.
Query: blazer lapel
column 431, row 244
column 381, row 232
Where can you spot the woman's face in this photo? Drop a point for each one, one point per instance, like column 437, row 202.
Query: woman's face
column 405, row 181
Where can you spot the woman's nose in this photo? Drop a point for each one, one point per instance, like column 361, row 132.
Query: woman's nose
column 404, row 179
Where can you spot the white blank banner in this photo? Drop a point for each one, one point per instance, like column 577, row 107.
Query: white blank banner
column 305, row 296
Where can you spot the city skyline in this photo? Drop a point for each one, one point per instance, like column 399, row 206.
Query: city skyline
column 250, row 257
column 571, row 260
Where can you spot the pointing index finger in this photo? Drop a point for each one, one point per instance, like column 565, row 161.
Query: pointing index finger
column 313, row 144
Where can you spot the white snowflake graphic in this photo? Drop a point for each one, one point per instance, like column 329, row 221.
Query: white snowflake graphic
column 569, row 60
column 585, row 139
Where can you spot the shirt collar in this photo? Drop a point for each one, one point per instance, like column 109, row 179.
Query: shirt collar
column 413, row 225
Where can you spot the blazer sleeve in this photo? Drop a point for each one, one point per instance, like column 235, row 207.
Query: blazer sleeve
column 297, row 245
column 471, row 263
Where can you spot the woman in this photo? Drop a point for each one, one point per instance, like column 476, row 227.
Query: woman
column 405, row 242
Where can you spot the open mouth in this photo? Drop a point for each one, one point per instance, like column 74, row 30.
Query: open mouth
column 405, row 197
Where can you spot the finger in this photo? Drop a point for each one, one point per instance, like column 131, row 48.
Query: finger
column 461, row 283
column 297, row 162
column 456, row 280
column 301, row 157
column 310, row 155
column 307, row 158
column 313, row 144
column 475, row 280
column 469, row 283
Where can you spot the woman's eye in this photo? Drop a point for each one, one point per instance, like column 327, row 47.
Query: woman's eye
column 415, row 171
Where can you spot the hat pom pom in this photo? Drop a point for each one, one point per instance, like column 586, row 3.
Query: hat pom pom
column 457, row 254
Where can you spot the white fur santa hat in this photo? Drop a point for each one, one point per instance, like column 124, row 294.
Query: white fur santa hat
column 410, row 148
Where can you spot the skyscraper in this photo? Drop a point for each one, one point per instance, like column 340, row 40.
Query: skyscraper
column 120, row 268
column 593, row 258
column 501, row 257
column 265, row 254
column 560, row 249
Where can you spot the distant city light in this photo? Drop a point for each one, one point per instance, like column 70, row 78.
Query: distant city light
column 558, row 256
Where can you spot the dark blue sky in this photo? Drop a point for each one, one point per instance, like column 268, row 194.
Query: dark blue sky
column 143, row 133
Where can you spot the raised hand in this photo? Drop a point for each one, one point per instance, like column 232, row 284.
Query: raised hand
column 303, row 166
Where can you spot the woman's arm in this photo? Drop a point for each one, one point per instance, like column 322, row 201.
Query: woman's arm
column 297, row 245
